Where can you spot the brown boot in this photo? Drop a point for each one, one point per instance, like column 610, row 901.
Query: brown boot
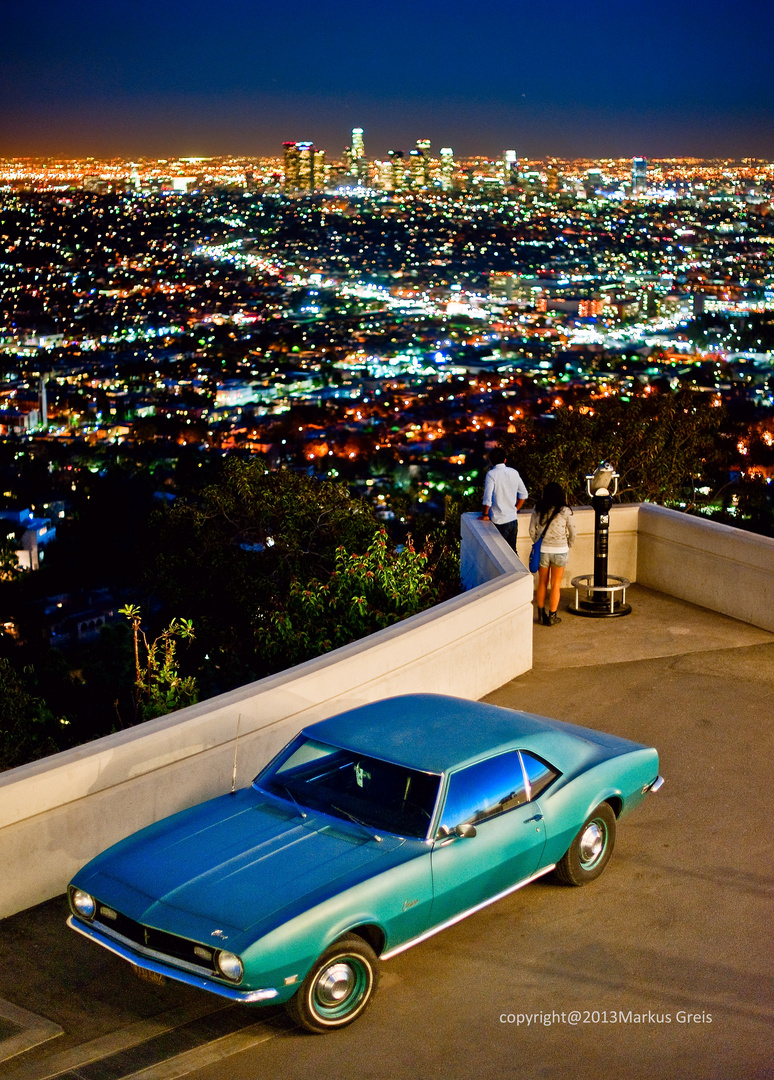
column 552, row 618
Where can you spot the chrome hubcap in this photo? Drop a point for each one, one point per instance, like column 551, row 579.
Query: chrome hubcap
column 335, row 984
column 592, row 843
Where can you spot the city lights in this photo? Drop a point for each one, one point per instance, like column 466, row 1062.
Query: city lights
column 209, row 301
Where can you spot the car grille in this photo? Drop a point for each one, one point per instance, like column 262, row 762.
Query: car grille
column 148, row 939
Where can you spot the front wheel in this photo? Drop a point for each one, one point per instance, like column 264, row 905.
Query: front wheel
column 590, row 851
column 339, row 987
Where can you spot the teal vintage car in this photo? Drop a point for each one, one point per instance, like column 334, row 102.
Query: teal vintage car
column 368, row 833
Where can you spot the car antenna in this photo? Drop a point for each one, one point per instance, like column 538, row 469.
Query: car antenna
column 236, row 747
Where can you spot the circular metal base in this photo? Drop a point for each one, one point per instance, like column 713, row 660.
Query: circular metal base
column 599, row 611
column 600, row 600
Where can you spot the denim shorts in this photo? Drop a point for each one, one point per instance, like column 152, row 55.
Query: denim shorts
column 554, row 558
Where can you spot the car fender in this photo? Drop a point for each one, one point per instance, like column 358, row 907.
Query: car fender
column 621, row 780
column 396, row 904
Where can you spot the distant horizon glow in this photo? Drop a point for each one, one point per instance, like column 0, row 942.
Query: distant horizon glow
column 117, row 134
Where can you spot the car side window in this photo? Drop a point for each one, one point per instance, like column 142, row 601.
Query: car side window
column 539, row 773
column 484, row 790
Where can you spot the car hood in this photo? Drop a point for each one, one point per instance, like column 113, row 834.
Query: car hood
column 233, row 862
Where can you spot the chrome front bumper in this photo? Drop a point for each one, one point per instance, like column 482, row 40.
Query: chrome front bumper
column 160, row 965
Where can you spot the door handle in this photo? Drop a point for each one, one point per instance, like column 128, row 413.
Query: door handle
column 537, row 817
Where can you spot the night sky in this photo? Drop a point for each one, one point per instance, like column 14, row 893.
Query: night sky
column 561, row 77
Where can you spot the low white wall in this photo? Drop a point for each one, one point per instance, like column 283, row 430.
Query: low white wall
column 622, row 542
column 712, row 565
column 57, row 813
column 484, row 555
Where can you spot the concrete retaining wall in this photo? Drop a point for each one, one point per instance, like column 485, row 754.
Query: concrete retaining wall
column 712, row 565
column 57, row 813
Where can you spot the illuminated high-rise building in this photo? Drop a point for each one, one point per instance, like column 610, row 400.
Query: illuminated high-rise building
column 639, row 175
column 447, row 168
column 398, row 169
column 319, row 170
column 300, row 160
column 593, row 182
column 306, row 166
column 423, row 146
column 385, row 174
column 510, row 169
column 291, row 161
column 354, row 157
column 419, row 165
column 417, row 169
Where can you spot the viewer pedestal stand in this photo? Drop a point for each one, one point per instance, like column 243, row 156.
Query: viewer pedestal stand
column 601, row 600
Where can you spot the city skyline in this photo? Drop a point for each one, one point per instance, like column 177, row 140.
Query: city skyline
column 675, row 80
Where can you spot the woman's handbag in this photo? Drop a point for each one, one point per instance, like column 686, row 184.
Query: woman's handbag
column 534, row 555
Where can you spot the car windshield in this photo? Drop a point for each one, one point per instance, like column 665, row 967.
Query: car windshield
column 376, row 794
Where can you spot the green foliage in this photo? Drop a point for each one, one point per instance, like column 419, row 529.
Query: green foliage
column 27, row 726
column 159, row 686
column 108, row 670
column 659, row 443
column 440, row 543
column 364, row 593
column 9, row 563
column 229, row 553
column 747, row 504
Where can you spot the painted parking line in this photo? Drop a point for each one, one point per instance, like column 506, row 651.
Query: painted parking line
column 212, row 1053
column 107, row 1045
column 25, row 1030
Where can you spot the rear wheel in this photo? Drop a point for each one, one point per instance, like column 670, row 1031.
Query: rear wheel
column 590, row 851
column 339, row 987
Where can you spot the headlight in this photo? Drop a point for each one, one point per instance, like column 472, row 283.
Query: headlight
column 230, row 966
column 83, row 904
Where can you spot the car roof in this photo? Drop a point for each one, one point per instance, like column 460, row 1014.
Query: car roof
column 436, row 733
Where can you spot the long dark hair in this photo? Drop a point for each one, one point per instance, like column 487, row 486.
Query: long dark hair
column 551, row 499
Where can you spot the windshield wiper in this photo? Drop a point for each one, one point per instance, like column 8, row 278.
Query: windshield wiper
column 357, row 821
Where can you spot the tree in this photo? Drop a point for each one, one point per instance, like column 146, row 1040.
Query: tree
column 365, row 593
column 659, row 443
column 159, row 686
column 9, row 560
column 228, row 553
column 27, row 726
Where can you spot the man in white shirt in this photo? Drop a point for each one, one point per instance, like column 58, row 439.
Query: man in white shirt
column 504, row 495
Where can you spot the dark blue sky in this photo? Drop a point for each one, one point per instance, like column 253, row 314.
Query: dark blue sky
column 565, row 77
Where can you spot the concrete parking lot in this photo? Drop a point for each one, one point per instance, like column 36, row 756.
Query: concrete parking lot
column 663, row 967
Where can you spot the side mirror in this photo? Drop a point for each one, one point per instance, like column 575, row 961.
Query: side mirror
column 466, row 830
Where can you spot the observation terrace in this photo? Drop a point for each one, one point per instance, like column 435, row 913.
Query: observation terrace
column 679, row 923
column 57, row 813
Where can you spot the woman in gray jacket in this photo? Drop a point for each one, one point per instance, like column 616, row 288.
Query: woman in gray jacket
column 551, row 517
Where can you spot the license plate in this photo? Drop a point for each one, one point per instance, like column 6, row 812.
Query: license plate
column 149, row 976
